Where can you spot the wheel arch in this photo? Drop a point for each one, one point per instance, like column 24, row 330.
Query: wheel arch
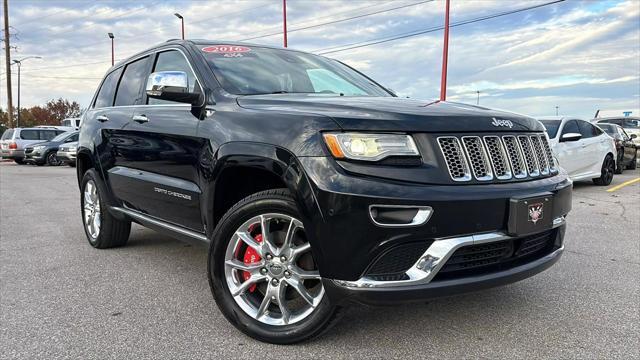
column 251, row 168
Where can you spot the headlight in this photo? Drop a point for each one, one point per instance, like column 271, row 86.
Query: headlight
column 72, row 149
column 370, row 147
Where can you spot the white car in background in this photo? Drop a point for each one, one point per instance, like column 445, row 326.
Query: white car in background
column 582, row 149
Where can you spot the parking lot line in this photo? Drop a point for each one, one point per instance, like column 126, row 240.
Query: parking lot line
column 620, row 186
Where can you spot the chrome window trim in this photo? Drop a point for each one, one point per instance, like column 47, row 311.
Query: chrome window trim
column 155, row 53
column 433, row 259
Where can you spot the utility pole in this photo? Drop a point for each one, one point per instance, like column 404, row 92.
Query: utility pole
column 478, row 100
column 445, row 54
column 556, row 110
column 284, row 18
column 7, row 59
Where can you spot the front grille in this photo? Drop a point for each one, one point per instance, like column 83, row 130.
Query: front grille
column 496, row 256
column 497, row 157
column 393, row 263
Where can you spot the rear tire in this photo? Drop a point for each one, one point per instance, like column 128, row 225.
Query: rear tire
column 619, row 167
column 633, row 164
column 103, row 230
column 606, row 175
column 317, row 320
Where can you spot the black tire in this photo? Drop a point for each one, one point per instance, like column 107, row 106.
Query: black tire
column 113, row 232
column 19, row 161
column 52, row 159
column 606, row 173
column 619, row 167
column 321, row 319
column 633, row 164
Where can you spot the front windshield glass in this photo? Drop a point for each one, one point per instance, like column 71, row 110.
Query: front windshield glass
column 61, row 137
column 552, row 127
column 246, row 70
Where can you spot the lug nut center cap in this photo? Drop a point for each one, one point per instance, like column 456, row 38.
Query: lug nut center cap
column 276, row 269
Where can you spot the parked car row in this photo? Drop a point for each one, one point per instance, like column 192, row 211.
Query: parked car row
column 38, row 145
column 588, row 151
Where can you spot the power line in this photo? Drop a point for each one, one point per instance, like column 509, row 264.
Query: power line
column 339, row 20
column 428, row 30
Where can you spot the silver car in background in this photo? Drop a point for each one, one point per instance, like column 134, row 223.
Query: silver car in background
column 67, row 153
column 14, row 141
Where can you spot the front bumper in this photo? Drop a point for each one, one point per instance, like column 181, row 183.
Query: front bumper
column 12, row 154
column 34, row 157
column 347, row 242
column 66, row 156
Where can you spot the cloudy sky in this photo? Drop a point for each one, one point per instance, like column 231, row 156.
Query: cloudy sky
column 578, row 55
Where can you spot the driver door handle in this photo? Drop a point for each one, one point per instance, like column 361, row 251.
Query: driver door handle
column 140, row 119
column 102, row 118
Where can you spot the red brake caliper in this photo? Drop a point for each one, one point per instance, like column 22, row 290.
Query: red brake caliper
column 251, row 256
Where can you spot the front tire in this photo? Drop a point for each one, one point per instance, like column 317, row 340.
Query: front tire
column 606, row 173
column 52, row 159
column 103, row 230
column 262, row 272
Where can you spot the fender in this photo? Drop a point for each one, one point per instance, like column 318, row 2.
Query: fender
column 275, row 160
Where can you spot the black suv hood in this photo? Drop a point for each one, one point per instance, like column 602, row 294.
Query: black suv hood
column 393, row 113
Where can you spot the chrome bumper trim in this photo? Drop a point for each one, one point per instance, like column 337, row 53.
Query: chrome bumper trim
column 423, row 215
column 434, row 258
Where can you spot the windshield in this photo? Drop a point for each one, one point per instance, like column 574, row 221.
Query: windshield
column 552, row 127
column 245, row 70
column 61, row 137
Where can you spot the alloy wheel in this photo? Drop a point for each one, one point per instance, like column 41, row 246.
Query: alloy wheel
column 608, row 169
column 270, row 272
column 91, row 209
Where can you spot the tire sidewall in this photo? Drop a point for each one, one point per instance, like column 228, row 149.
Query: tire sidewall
column 92, row 175
column 299, row 331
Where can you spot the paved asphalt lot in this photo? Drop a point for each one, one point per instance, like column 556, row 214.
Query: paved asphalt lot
column 60, row 298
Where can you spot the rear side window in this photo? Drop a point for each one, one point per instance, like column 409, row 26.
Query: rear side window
column 570, row 127
column 174, row 61
column 611, row 121
column 8, row 134
column 129, row 89
column 29, row 135
column 48, row 134
column 107, row 90
column 587, row 130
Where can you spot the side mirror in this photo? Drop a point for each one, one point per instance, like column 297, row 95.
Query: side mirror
column 570, row 137
column 172, row 86
column 633, row 136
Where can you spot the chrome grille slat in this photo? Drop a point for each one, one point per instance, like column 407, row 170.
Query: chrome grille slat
column 478, row 158
column 498, row 156
column 516, row 157
column 541, row 157
column 529, row 156
column 547, row 150
column 455, row 158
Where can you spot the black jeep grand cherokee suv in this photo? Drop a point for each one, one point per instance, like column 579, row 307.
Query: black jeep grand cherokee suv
column 314, row 185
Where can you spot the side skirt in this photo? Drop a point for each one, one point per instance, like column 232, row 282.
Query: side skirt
column 162, row 226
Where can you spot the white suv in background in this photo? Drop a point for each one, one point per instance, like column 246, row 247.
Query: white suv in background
column 582, row 149
column 14, row 141
column 631, row 125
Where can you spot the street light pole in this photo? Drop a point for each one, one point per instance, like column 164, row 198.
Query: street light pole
column 182, row 21
column 19, row 63
column 478, row 100
column 112, row 48
column 556, row 110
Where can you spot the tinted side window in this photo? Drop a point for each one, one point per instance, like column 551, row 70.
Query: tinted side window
column 48, row 134
column 174, row 61
column 129, row 88
column 72, row 138
column 570, row 127
column 108, row 90
column 29, row 135
column 587, row 130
